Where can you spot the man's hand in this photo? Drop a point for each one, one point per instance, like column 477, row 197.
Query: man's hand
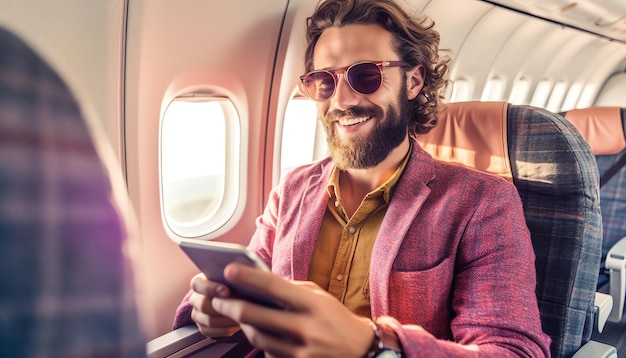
column 313, row 324
column 210, row 323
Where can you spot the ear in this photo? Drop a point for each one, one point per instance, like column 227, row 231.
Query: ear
column 414, row 81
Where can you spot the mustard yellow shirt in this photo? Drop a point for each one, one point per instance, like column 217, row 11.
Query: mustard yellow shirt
column 341, row 258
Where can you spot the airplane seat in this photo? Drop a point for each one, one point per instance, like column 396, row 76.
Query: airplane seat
column 66, row 288
column 603, row 128
column 556, row 176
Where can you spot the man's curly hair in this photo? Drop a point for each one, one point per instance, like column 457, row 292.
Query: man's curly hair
column 415, row 41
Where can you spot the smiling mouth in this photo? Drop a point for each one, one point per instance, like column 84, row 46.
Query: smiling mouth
column 352, row 121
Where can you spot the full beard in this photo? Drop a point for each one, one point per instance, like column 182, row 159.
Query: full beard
column 366, row 151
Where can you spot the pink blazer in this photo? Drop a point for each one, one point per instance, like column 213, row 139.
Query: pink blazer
column 452, row 270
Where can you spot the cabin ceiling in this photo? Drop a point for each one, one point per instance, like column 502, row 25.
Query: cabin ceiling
column 603, row 17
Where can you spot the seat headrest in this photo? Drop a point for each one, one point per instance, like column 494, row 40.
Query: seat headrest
column 601, row 127
column 472, row 134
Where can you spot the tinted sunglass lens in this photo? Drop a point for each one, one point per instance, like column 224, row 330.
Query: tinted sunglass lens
column 320, row 85
column 365, row 78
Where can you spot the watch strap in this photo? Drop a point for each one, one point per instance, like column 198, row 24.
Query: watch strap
column 389, row 339
column 385, row 340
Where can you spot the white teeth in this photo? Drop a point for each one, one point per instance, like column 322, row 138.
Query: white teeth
column 352, row 121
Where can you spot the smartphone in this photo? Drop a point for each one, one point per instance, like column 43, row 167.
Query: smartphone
column 211, row 257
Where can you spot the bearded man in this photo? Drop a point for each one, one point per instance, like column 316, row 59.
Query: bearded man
column 378, row 250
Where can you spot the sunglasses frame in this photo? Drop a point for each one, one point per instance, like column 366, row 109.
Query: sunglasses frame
column 334, row 73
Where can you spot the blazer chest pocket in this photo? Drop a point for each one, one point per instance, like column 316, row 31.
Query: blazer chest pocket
column 422, row 296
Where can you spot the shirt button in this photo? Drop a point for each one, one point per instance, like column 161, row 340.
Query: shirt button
column 351, row 229
column 336, row 203
column 339, row 277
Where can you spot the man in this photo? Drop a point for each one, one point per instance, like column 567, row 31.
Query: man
column 385, row 250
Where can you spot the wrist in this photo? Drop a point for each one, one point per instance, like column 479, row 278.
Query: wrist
column 385, row 343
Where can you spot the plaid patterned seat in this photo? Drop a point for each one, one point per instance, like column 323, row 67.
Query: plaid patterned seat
column 613, row 203
column 555, row 173
column 603, row 128
column 65, row 282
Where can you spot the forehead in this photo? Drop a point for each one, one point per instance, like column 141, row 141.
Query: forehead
column 342, row 46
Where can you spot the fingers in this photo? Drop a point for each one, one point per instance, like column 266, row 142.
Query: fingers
column 265, row 326
column 213, row 326
column 313, row 324
column 270, row 344
column 214, row 332
column 210, row 323
column 200, row 284
column 216, row 313
column 203, row 292
column 292, row 294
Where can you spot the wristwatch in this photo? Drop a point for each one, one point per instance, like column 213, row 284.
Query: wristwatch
column 386, row 344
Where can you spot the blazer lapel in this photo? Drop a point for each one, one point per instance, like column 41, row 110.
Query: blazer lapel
column 309, row 221
column 410, row 194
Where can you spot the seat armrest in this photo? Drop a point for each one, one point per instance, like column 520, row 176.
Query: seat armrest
column 593, row 349
column 603, row 305
column 616, row 265
column 174, row 341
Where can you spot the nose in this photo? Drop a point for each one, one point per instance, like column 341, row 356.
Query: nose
column 345, row 97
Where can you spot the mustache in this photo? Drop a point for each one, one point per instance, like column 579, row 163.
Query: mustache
column 357, row 111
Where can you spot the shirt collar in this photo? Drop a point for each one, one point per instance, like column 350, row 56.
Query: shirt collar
column 385, row 188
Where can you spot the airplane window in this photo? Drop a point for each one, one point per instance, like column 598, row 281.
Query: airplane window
column 541, row 94
column 556, row 98
column 494, row 90
column 572, row 97
column 588, row 95
column 303, row 139
column 460, row 90
column 520, row 91
column 199, row 173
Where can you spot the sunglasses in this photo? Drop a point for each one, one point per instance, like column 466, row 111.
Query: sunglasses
column 362, row 77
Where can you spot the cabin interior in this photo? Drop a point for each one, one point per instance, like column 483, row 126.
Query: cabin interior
column 129, row 62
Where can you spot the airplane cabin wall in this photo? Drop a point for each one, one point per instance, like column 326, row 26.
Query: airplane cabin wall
column 497, row 47
column 83, row 41
column 613, row 92
column 224, row 48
